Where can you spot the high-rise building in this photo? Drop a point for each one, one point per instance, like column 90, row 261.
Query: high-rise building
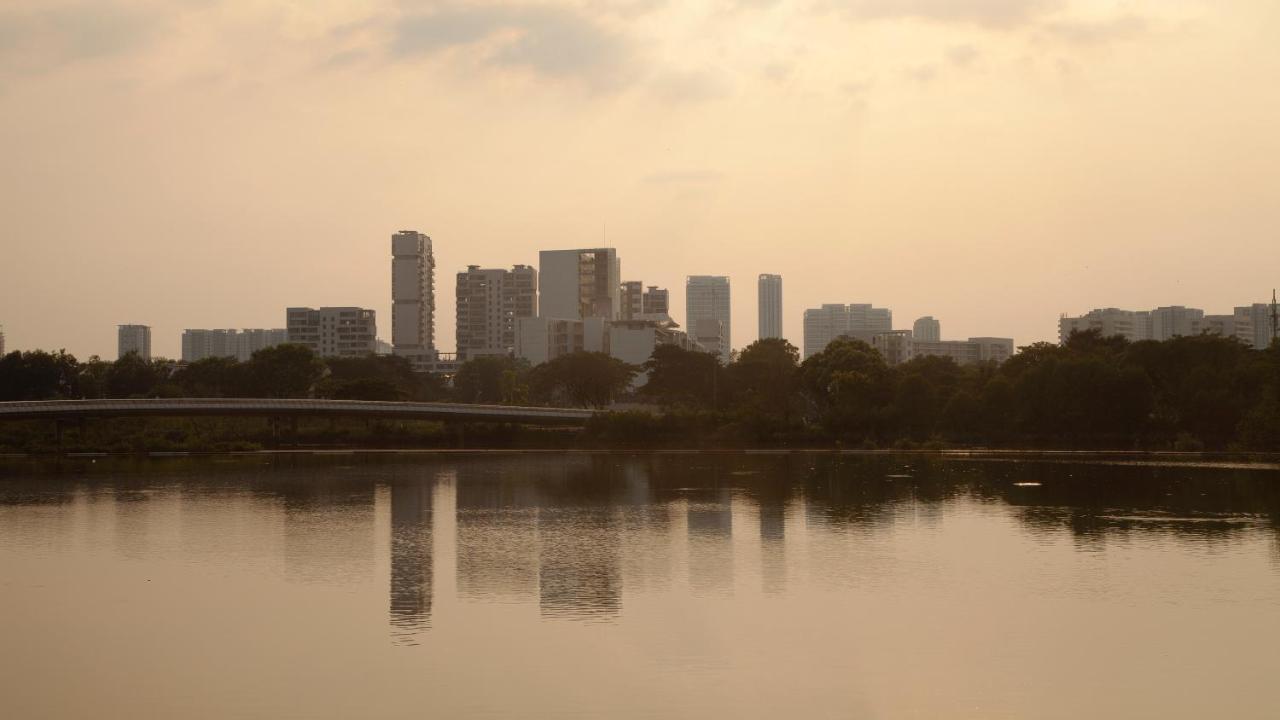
column 579, row 284
column 1259, row 315
column 1133, row 325
column 334, row 331
column 632, row 300
column 926, row 329
column 413, row 300
column 490, row 302
column 706, row 297
column 133, row 339
column 860, row 321
column 201, row 344
column 1, row 341
column 770, row 305
column 656, row 301
column 251, row 340
column 1174, row 321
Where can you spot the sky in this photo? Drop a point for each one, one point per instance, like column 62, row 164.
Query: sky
column 993, row 163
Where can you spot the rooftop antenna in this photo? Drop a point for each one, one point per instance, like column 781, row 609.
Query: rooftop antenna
column 1275, row 318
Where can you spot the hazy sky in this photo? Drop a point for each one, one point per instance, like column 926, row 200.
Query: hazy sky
column 992, row 163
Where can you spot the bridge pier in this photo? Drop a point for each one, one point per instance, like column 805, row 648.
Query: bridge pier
column 57, row 433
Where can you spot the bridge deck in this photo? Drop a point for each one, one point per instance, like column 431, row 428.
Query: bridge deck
column 266, row 407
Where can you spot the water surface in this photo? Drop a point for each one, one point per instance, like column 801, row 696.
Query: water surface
column 631, row 586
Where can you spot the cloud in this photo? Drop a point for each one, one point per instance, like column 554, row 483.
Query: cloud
column 1097, row 33
column 689, row 86
column 962, row 55
column 47, row 38
column 557, row 42
column 987, row 13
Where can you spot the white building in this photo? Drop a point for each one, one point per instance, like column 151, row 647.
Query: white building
column 133, row 339
column 769, row 290
column 413, row 299
column 706, row 297
column 334, row 331
column 899, row 346
column 1175, row 321
column 1238, row 325
column 489, row 302
column 200, row 344
column 579, row 284
column 1133, row 325
column 926, row 329
column 1260, row 320
column 251, row 340
column 860, row 321
column 541, row 339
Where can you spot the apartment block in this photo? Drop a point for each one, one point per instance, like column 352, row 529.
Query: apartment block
column 490, row 301
column 413, row 300
column 334, row 331
column 133, row 339
column 860, row 321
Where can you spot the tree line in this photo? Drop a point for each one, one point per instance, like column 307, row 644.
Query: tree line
column 1201, row 392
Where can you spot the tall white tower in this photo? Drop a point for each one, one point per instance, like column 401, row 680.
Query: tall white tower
column 770, row 290
column 413, row 298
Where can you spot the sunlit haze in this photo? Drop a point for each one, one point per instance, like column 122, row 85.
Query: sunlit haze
column 992, row 163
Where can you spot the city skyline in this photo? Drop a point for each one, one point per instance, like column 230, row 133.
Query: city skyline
column 994, row 164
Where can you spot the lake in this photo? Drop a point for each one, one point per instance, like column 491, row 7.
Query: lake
column 663, row 585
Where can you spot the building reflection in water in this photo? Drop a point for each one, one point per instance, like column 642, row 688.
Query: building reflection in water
column 411, row 548
column 579, row 537
column 497, row 535
column 571, row 532
column 709, row 516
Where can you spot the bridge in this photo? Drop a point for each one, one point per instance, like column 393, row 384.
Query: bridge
column 62, row 410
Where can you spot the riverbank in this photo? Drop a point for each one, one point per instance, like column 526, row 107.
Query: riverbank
column 1256, row 460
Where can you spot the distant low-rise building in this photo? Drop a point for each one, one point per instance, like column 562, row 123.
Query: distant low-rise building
column 334, row 331
column 900, row 346
column 541, row 339
column 926, row 329
column 1251, row 324
column 133, row 339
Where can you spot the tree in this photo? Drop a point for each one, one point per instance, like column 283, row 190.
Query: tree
column 677, row 376
column 283, row 371
column 583, row 379
column 495, row 379
column 38, row 375
column 764, row 378
column 378, row 377
column 212, row 377
column 848, row 383
column 131, row 376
